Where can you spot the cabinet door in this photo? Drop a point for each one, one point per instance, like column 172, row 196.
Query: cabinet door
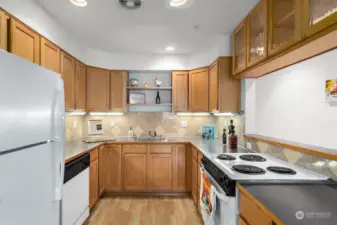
column 160, row 171
column 195, row 180
column 134, row 167
column 97, row 89
column 179, row 168
column 118, row 82
column 93, row 190
column 111, row 167
column 257, row 34
column 213, row 86
column 239, row 37
column 68, row 75
column 241, row 221
column 50, row 56
column 81, row 86
column 180, row 91
column 284, row 24
column 101, row 170
column 3, row 30
column 198, row 91
column 318, row 15
column 24, row 42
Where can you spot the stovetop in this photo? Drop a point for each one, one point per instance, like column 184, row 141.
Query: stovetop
column 256, row 166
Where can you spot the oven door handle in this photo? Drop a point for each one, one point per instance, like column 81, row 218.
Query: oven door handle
column 215, row 185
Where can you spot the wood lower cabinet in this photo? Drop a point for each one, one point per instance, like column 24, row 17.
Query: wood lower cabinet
column 24, row 42
column 110, row 168
column 195, row 180
column 68, row 67
column 50, row 55
column 179, row 168
column 118, row 81
column 159, row 172
column 241, row 221
column 198, row 90
column 97, row 89
column 93, row 179
column 134, row 171
column 101, row 170
column 180, row 91
column 81, row 86
column 3, row 30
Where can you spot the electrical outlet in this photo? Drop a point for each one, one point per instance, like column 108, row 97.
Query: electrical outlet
column 112, row 124
column 249, row 145
column 75, row 124
column 183, row 123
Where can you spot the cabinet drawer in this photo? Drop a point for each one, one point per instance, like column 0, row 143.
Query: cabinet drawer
column 251, row 213
column 160, row 149
column 134, row 148
column 199, row 157
column 94, row 155
column 195, row 153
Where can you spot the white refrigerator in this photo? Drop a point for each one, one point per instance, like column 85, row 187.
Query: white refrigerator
column 31, row 143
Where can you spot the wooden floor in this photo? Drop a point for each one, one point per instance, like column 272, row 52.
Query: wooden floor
column 144, row 211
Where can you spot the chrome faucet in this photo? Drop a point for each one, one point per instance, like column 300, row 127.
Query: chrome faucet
column 154, row 133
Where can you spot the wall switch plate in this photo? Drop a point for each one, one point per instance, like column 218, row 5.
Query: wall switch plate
column 75, row 124
column 183, row 123
column 249, row 145
column 112, row 124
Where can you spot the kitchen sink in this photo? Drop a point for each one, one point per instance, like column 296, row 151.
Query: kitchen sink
column 150, row 138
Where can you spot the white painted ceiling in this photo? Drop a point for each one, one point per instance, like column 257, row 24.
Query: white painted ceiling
column 104, row 25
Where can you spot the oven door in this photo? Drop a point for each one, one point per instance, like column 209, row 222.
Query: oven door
column 225, row 207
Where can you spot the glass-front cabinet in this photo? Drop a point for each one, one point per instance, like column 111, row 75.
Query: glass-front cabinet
column 318, row 15
column 285, row 24
column 257, row 34
column 239, row 48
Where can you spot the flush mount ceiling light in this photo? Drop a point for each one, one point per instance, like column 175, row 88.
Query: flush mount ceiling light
column 130, row 4
column 170, row 48
column 177, row 3
column 80, row 3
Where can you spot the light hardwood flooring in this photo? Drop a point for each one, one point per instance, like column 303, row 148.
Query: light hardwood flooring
column 144, row 211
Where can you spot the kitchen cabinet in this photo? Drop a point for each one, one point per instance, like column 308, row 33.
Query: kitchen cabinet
column 81, row 86
column 50, row 56
column 3, row 30
column 180, row 91
column 101, row 170
column 93, row 178
column 213, row 86
column 195, row 180
column 241, row 221
column 118, row 81
column 97, row 89
column 239, row 40
column 318, row 15
column 68, row 68
column 111, row 168
column 198, row 90
column 257, row 34
column 179, row 167
column 160, row 171
column 285, row 24
column 24, row 42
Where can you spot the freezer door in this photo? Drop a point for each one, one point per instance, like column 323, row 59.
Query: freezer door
column 28, row 182
column 31, row 103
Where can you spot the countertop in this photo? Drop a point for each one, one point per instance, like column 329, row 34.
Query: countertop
column 77, row 147
column 313, row 204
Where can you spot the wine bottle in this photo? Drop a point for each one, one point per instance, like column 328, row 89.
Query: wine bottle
column 158, row 98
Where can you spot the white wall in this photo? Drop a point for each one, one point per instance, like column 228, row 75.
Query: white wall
column 290, row 103
column 36, row 17
column 250, row 102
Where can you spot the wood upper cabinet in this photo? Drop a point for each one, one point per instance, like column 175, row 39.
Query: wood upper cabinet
column 97, row 89
column 257, row 34
column 318, row 15
column 180, row 91
column 198, row 90
column 68, row 67
column 134, row 171
column 81, row 86
column 239, row 39
column 24, row 42
column 50, row 56
column 93, row 186
column 285, row 24
column 3, row 30
column 110, row 169
column 179, row 168
column 213, row 86
column 118, row 80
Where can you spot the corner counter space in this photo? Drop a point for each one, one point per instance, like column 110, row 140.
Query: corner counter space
column 289, row 204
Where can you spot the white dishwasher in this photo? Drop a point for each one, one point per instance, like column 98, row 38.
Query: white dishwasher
column 75, row 203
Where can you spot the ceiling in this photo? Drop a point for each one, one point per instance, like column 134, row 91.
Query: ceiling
column 104, row 25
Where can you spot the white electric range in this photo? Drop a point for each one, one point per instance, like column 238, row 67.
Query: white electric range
column 225, row 170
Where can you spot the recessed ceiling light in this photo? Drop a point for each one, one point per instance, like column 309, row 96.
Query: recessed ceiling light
column 80, row 3
column 170, row 48
column 177, row 3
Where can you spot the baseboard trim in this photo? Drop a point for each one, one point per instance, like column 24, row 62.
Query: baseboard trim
column 147, row 194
